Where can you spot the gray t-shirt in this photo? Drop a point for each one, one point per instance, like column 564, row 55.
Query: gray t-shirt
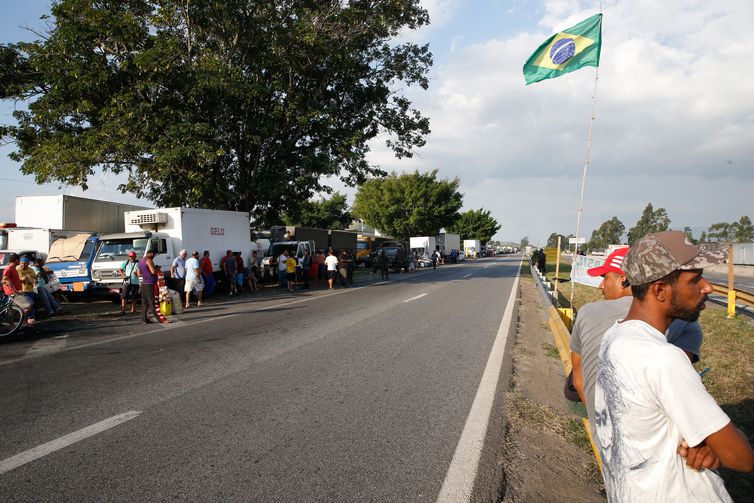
column 592, row 322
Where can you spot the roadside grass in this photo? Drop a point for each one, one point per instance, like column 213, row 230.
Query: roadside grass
column 543, row 418
column 728, row 350
column 551, row 351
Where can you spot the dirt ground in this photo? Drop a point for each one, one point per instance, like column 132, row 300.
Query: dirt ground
column 547, row 455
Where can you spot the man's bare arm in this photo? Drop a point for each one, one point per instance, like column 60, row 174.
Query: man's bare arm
column 732, row 448
column 578, row 377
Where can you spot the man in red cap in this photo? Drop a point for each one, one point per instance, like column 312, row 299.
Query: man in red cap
column 595, row 319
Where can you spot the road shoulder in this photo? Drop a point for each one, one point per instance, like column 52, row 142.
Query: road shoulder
column 546, row 454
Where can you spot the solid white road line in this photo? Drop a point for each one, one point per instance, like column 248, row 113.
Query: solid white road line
column 459, row 480
column 466, row 276
column 14, row 462
column 417, row 297
column 381, row 283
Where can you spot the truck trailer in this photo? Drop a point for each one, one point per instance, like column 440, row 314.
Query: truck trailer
column 167, row 231
column 72, row 213
column 447, row 242
column 423, row 246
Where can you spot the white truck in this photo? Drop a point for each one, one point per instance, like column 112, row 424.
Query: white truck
column 447, row 242
column 167, row 231
column 71, row 213
column 423, row 246
column 472, row 248
column 39, row 240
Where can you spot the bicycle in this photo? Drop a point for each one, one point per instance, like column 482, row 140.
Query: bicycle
column 11, row 316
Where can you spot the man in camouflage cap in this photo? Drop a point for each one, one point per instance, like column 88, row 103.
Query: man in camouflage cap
column 659, row 432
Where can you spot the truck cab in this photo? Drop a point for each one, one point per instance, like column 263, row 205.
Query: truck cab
column 113, row 251
column 71, row 260
column 295, row 248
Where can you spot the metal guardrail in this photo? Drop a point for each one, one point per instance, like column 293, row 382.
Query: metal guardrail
column 745, row 297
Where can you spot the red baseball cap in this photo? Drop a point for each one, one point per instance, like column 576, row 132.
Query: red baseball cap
column 613, row 263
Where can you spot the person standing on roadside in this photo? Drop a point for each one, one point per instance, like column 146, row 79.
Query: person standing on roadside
column 382, row 264
column 306, row 267
column 178, row 271
column 193, row 279
column 331, row 263
column 290, row 273
column 229, row 265
column 433, row 258
column 660, row 433
column 148, row 274
column 129, row 271
column 253, row 271
column 283, row 269
column 208, row 276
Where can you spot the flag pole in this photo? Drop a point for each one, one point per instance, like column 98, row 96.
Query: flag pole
column 583, row 179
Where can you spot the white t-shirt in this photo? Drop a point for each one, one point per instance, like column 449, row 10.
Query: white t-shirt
column 191, row 265
column 281, row 262
column 648, row 398
column 332, row 263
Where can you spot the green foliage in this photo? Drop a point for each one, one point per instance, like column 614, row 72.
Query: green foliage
column 552, row 241
column 524, row 242
column 608, row 233
column 744, row 230
column 475, row 224
column 651, row 221
column 703, row 237
column 741, row 231
column 220, row 104
column 411, row 204
column 719, row 232
column 330, row 213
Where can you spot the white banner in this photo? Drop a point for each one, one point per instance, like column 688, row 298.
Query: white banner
column 580, row 266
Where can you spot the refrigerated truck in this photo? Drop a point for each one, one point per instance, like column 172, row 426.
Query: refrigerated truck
column 424, row 246
column 72, row 213
column 447, row 242
column 472, row 248
column 167, row 231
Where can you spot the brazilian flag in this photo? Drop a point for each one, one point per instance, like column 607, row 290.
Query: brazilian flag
column 566, row 51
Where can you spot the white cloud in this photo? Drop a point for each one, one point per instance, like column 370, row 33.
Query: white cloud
column 674, row 126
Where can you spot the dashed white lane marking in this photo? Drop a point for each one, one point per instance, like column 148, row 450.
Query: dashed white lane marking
column 381, row 283
column 47, row 346
column 14, row 462
column 466, row 275
column 417, row 297
column 459, row 480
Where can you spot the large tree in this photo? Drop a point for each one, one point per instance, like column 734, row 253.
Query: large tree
column 608, row 233
column 720, row 232
column 222, row 104
column 475, row 224
column 330, row 213
column 743, row 230
column 410, row 204
column 651, row 221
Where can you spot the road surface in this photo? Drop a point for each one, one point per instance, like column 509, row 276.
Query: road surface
column 360, row 394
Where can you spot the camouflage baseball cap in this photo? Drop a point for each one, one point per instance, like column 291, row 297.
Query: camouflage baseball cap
column 656, row 255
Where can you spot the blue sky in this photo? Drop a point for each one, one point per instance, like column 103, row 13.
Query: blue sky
column 675, row 113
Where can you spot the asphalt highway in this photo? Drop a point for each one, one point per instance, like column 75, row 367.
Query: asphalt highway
column 359, row 394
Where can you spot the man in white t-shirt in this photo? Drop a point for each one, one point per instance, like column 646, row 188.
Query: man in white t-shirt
column 332, row 267
column 194, row 279
column 594, row 319
column 659, row 433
